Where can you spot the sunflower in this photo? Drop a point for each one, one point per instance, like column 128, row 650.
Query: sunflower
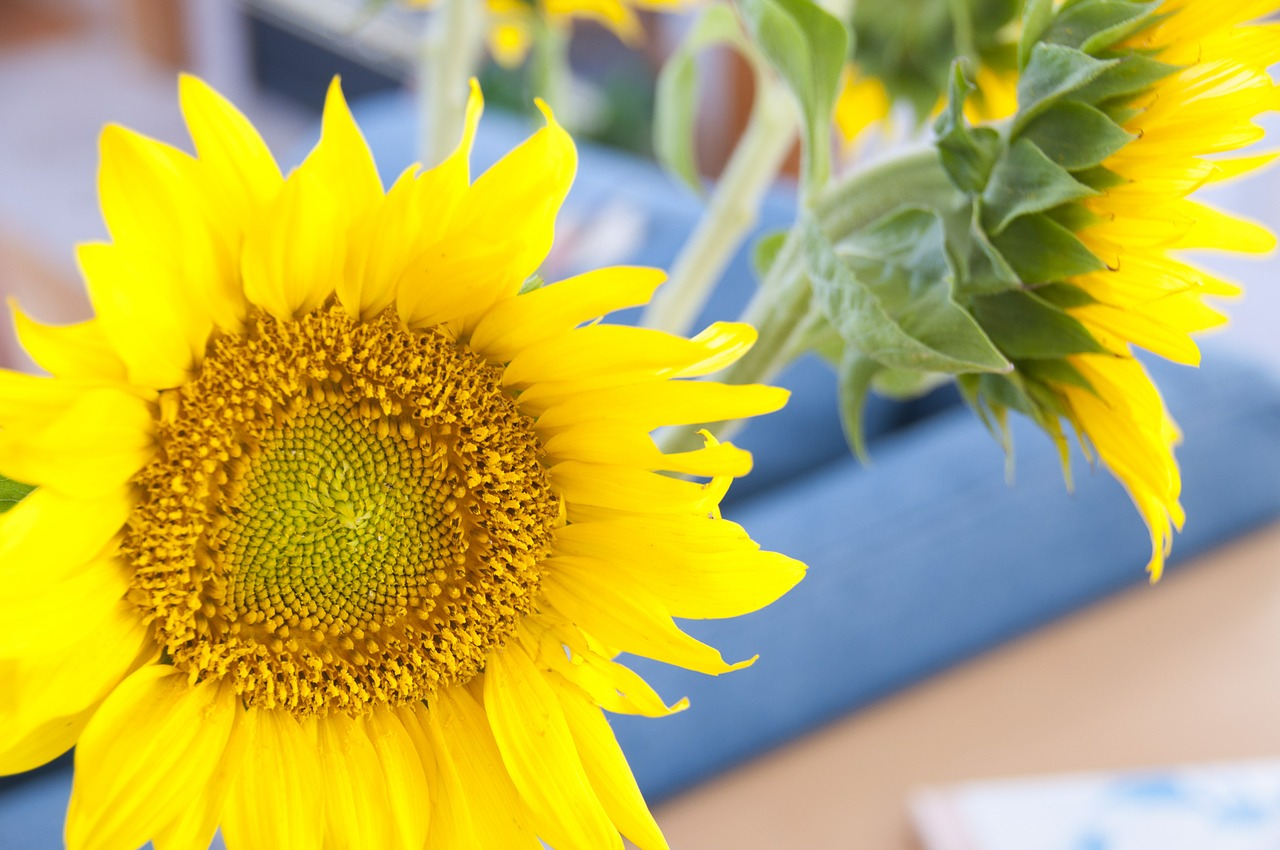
column 512, row 22
column 1181, row 87
column 337, row 532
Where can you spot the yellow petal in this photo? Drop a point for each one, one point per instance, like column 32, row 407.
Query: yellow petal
column 653, row 404
column 611, row 685
column 294, row 255
column 65, row 682
column 408, row 797
column 41, row 612
column 501, row 819
column 150, row 748
column 620, row 488
column 79, row 351
column 609, row 354
column 275, row 799
column 538, row 750
column 691, row 582
column 158, row 205
column 342, row 159
column 383, row 244
column 609, row 772
column 146, row 318
column 228, row 146
column 355, row 799
column 48, row 534
column 626, row 617
column 91, row 450
column 519, row 323
column 44, row 743
column 622, row 443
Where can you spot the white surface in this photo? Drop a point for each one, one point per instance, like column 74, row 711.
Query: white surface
column 1219, row 807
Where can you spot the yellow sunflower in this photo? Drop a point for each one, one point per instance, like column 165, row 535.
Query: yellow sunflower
column 512, row 24
column 1185, row 88
column 336, row 533
column 1146, row 297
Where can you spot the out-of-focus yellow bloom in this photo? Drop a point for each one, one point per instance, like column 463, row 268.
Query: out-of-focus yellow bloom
column 1146, row 297
column 512, row 21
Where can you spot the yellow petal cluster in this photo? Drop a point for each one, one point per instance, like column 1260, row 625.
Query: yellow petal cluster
column 1186, row 127
column 546, row 510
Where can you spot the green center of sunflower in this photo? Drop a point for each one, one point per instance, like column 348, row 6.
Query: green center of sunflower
column 341, row 514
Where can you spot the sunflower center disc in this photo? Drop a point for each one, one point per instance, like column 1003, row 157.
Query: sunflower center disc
column 341, row 514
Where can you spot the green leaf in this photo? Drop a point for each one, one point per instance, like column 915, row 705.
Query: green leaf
column 1052, row 73
column 807, row 47
column 855, row 373
column 886, row 290
column 968, row 154
column 1042, row 251
column 766, row 250
column 1036, row 17
column 1026, row 327
column 676, row 101
column 12, row 492
column 1095, row 26
column 904, row 385
column 1026, row 181
column 1076, row 135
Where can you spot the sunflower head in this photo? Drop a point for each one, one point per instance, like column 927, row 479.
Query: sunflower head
column 323, row 489
column 1076, row 207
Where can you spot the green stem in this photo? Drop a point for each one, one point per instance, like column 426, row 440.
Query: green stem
column 452, row 50
column 783, row 310
column 732, row 211
column 549, row 71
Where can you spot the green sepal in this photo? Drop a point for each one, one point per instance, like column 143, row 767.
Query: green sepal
column 807, row 47
column 1027, row 327
column 1126, row 77
column 886, row 290
column 1052, row 73
column 676, row 99
column 1065, row 295
column 12, row 492
column 1025, row 181
column 765, row 251
column 1037, row 15
column 967, row 153
column 855, row 373
column 1054, row 371
column 1100, row 178
column 1096, row 25
column 989, row 271
column 1042, row 251
column 1074, row 217
column 532, row 282
column 1075, row 135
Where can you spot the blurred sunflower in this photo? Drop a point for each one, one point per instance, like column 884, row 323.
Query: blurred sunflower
column 513, row 22
column 1161, row 96
column 337, row 532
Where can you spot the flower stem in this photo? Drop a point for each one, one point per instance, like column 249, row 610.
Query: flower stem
column 732, row 211
column 452, row 49
column 783, row 309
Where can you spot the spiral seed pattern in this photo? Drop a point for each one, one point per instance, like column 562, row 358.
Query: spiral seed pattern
column 341, row 514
